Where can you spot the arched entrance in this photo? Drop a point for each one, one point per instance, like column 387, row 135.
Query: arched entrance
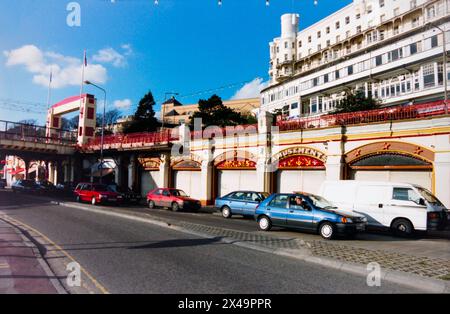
column 391, row 161
column 235, row 170
column 298, row 168
column 186, row 175
column 149, row 170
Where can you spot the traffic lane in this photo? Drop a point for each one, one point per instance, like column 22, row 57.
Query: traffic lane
column 418, row 246
column 134, row 257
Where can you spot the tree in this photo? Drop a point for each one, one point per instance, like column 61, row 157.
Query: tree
column 214, row 112
column 144, row 118
column 356, row 101
column 111, row 117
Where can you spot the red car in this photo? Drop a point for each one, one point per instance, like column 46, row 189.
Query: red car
column 172, row 198
column 96, row 194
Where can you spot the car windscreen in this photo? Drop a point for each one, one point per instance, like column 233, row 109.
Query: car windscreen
column 178, row 193
column 428, row 196
column 28, row 183
column 321, row 202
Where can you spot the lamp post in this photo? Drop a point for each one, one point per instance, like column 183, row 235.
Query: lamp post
column 444, row 64
column 103, row 127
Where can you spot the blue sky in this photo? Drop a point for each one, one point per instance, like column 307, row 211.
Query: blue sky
column 133, row 46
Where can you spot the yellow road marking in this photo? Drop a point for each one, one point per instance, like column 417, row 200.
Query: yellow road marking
column 96, row 283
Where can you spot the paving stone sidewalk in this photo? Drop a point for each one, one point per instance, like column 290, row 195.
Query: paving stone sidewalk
column 20, row 269
column 424, row 266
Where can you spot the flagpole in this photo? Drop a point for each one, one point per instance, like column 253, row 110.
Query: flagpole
column 83, row 65
column 49, row 89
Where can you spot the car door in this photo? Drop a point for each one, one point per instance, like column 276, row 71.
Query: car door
column 166, row 200
column 156, row 197
column 278, row 210
column 300, row 216
column 84, row 192
column 251, row 201
column 237, row 202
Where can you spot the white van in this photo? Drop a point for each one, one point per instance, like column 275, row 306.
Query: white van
column 402, row 207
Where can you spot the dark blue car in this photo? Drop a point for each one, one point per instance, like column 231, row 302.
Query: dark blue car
column 240, row 203
column 307, row 212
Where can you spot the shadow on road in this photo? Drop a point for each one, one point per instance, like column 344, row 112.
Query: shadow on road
column 177, row 243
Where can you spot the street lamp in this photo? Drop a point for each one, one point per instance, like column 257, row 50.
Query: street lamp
column 103, row 127
column 444, row 65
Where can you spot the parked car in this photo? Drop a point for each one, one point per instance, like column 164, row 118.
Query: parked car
column 96, row 194
column 66, row 187
column 45, row 187
column 172, row 198
column 402, row 207
column 24, row 186
column 307, row 212
column 240, row 202
column 129, row 196
column 2, row 183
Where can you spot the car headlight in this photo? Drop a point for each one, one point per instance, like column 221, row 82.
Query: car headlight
column 346, row 220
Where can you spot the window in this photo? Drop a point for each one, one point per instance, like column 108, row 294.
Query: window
column 431, row 12
column 405, row 194
column 280, row 201
column 434, row 41
column 358, row 16
column 415, row 22
column 319, row 47
column 285, row 44
column 325, row 78
column 328, row 30
column 319, row 34
column 347, row 20
column 396, row 11
column 413, row 48
column 396, row 30
column 350, row 70
column 413, row 4
column 428, row 75
column 309, row 39
column 369, row 9
column 337, row 74
column 381, row 34
column 300, row 44
column 90, row 113
column 328, row 43
column 294, row 106
column 315, row 81
column 338, row 25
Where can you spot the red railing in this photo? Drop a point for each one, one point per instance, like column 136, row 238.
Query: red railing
column 32, row 133
column 133, row 139
column 379, row 115
column 217, row 131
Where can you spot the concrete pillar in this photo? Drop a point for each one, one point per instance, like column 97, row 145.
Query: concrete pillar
column 117, row 172
column 263, row 170
column 334, row 165
column 131, row 172
column 27, row 168
column 441, row 185
column 51, row 171
column 164, row 170
column 66, row 171
column 72, row 170
column 206, row 183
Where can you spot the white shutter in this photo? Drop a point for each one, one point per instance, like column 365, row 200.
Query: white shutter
column 300, row 180
column 149, row 181
column 235, row 180
column 189, row 182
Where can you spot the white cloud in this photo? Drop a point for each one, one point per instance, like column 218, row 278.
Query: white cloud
column 251, row 89
column 122, row 104
column 110, row 55
column 66, row 70
column 127, row 49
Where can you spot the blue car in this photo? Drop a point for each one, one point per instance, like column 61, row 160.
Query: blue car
column 240, row 203
column 307, row 212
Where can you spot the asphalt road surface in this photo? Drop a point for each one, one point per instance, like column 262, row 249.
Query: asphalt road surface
column 126, row 256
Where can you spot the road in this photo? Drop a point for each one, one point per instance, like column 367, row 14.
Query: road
column 127, row 256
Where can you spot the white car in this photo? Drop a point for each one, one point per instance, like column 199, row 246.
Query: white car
column 402, row 207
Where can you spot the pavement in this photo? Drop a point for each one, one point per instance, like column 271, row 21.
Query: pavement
column 124, row 252
column 22, row 269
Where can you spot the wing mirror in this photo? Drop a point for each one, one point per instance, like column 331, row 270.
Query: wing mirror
column 421, row 202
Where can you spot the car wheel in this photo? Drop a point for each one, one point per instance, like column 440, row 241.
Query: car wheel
column 226, row 212
column 94, row 201
column 264, row 223
column 78, row 199
column 151, row 204
column 402, row 227
column 175, row 207
column 327, row 230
